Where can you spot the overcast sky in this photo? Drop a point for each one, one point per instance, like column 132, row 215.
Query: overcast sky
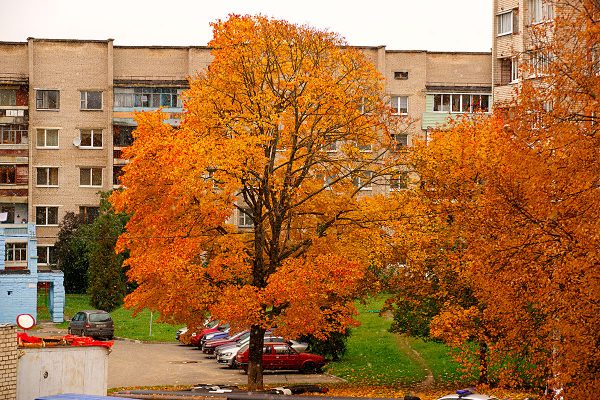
column 437, row 25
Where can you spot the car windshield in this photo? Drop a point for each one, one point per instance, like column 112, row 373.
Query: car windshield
column 99, row 317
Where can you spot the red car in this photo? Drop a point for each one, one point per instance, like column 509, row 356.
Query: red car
column 282, row 356
column 212, row 326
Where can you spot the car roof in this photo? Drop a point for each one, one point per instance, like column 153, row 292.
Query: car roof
column 94, row 312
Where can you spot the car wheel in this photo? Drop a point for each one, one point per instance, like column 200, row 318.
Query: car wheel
column 69, row 331
column 309, row 368
column 233, row 364
column 83, row 332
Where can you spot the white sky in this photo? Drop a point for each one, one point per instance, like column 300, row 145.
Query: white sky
column 436, row 25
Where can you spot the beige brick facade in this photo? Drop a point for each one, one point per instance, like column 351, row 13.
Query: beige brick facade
column 8, row 362
column 75, row 66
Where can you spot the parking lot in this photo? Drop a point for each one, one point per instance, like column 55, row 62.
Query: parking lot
column 152, row 364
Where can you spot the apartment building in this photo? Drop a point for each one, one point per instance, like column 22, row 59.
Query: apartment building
column 515, row 43
column 67, row 108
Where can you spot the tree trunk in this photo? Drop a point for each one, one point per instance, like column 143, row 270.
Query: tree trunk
column 483, row 363
column 255, row 353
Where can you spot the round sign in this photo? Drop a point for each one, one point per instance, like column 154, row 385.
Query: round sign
column 25, row 321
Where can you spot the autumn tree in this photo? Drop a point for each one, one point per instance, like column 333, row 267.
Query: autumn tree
column 254, row 208
column 521, row 189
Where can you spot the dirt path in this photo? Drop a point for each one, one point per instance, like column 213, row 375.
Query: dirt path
column 414, row 355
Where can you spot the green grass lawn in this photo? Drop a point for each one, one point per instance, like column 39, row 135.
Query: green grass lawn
column 378, row 357
column 126, row 325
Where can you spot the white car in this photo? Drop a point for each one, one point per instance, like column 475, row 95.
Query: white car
column 467, row 394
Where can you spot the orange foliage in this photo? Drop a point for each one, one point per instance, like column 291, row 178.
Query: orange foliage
column 258, row 136
column 516, row 194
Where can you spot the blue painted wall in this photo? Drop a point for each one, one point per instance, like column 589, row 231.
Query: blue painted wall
column 18, row 288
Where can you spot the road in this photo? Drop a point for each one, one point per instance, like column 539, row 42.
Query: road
column 151, row 364
column 132, row 364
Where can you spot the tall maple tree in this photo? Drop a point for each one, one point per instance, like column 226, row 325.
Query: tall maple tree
column 286, row 131
column 519, row 193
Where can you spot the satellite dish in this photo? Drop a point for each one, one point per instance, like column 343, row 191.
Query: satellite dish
column 25, row 321
column 76, row 142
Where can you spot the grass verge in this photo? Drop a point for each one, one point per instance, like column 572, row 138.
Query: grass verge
column 126, row 325
column 376, row 357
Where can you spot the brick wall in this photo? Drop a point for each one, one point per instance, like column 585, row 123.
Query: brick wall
column 8, row 362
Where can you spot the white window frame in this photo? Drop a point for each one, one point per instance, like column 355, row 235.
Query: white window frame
column 93, row 132
column 540, row 11
column 42, row 103
column 44, row 145
column 500, row 25
column 451, row 96
column 21, row 252
column 47, row 251
column 91, row 177
column 244, row 220
column 367, row 177
column 395, row 178
column 46, row 215
column 47, row 171
column 514, row 70
column 396, row 108
column 83, row 103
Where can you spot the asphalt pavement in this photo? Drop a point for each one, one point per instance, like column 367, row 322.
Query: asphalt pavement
column 134, row 364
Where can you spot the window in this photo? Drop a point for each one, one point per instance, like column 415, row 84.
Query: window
column 331, row 147
column 401, row 75
column 7, row 214
column 47, row 176
column 14, row 134
column 540, row 62
column 87, row 215
column 46, row 215
column 47, row 99
column 8, row 97
column 441, row 102
column 399, row 181
column 16, row 252
column 509, row 70
column 514, row 69
column 244, row 220
column 7, row 174
column 91, row 100
column 122, row 135
column 461, row 103
column 400, row 105
column 47, row 138
column 90, row 138
column 90, row 176
column 504, row 23
column 363, row 180
column 540, row 10
column 46, row 255
column 400, row 140
column 117, row 173
column 148, row 97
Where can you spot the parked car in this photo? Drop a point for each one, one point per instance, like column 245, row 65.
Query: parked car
column 226, row 354
column 282, row 356
column 180, row 332
column 210, row 345
column 95, row 323
column 214, row 335
column 467, row 394
column 212, row 326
